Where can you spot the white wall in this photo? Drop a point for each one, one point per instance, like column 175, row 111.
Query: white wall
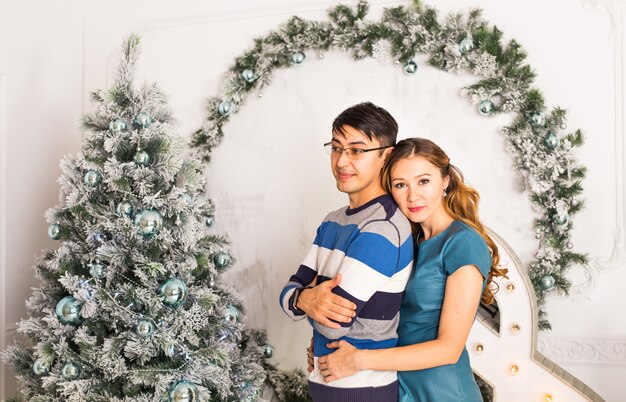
column 269, row 196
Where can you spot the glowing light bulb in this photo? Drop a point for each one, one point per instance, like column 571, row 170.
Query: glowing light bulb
column 515, row 328
column 510, row 287
column 479, row 348
column 514, row 369
column 548, row 398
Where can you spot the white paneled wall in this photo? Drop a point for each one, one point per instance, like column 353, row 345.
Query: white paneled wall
column 270, row 178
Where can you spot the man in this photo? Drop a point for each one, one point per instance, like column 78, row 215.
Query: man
column 366, row 248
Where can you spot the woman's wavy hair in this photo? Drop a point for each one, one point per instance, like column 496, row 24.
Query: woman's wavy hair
column 461, row 203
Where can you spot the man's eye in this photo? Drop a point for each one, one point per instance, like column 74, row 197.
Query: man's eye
column 336, row 150
column 356, row 151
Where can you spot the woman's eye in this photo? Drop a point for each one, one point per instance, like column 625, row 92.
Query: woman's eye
column 399, row 185
column 424, row 181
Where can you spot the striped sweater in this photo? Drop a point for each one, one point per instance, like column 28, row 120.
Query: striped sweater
column 372, row 247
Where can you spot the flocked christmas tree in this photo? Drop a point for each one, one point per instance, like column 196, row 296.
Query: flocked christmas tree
column 131, row 306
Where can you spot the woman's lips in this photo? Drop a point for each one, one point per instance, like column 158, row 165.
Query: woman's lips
column 415, row 209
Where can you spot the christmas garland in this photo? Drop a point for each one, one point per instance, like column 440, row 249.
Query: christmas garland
column 542, row 149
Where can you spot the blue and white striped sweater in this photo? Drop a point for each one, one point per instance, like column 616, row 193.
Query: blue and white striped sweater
column 371, row 246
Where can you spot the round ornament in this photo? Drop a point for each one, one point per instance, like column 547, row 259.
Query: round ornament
column 248, row 75
column 148, row 223
column 563, row 125
column 173, row 291
column 221, row 259
column 54, row 231
column 124, row 208
column 182, row 391
column 231, row 314
column 141, row 158
column 209, row 221
column 40, row 367
column 268, row 351
column 186, row 197
column 466, row 45
column 561, row 219
column 144, row 328
column 298, row 58
column 410, row 67
column 70, row 371
column 92, row 178
column 486, row 107
column 551, row 140
column 143, row 120
column 171, row 350
column 97, row 269
column 68, row 311
column 547, row 282
column 538, row 120
column 224, row 108
column 117, row 126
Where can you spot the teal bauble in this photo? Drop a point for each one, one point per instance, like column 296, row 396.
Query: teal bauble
column 54, row 231
column 171, row 350
column 410, row 67
column 538, row 120
column 124, row 208
column 486, row 107
column 209, row 221
column 466, row 45
column 173, row 292
column 92, row 178
column 148, row 223
column 97, row 269
column 117, row 126
column 298, row 58
column 182, row 391
column 141, row 158
column 231, row 314
column 68, row 311
column 40, row 367
column 248, row 75
column 547, row 282
column 551, row 140
column 144, row 328
column 70, row 371
column 224, row 108
column 268, row 351
column 560, row 219
column 186, row 197
column 143, row 120
column 221, row 259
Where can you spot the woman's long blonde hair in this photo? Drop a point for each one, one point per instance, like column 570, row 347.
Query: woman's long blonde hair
column 461, row 203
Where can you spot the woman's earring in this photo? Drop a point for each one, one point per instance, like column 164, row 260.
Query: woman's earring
column 445, row 193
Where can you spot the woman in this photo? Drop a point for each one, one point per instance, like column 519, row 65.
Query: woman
column 456, row 261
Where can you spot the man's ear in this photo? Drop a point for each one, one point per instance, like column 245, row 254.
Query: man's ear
column 387, row 152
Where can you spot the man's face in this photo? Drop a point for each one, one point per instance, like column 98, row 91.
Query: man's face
column 359, row 176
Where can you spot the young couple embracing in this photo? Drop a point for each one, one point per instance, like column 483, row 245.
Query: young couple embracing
column 393, row 281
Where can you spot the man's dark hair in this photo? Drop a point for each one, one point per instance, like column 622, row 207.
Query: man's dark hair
column 371, row 120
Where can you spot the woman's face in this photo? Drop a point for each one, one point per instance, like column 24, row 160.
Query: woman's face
column 417, row 187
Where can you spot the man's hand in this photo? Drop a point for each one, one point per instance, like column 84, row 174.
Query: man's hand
column 309, row 357
column 322, row 305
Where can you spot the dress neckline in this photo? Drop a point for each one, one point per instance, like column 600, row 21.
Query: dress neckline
column 437, row 235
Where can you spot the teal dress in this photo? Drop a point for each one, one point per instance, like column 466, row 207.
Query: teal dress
column 437, row 258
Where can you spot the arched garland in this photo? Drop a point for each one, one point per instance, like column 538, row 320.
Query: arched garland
column 542, row 151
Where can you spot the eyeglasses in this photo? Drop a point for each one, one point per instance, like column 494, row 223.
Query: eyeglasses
column 351, row 153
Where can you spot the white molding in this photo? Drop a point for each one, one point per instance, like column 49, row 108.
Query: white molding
column 582, row 291
column 3, row 219
column 583, row 350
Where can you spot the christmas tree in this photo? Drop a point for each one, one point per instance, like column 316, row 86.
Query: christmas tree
column 131, row 306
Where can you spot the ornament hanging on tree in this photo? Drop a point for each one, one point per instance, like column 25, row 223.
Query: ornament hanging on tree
column 148, row 223
column 143, row 120
column 68, row 311
column 298, row 58
column 410, row 67
column 224, row 108
column 173, row 291
column 268, row 351
column 466, row 45
column 486, row 107
column 40, row 367
column 551, row 140
column 547, row 282
column 124, row 208
column 538, row 120
column 144, row 328
column 54, row 231
column 117, row 126
column 231, row 314
column 221, row 259
column 182, row 391
column 209, row 221
column 171, row 350
column 141, row 157
column 248, row 75
column 92, row 178
column 70, row 371
column 560, row 219
column 186, row 197
column 97, row 269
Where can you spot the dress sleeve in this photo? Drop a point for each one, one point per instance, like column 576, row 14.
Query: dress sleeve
column 466, row 247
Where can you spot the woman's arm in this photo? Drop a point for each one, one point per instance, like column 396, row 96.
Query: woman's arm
column 460, row 302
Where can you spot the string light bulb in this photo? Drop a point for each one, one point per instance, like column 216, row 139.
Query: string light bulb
column 514, row 369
